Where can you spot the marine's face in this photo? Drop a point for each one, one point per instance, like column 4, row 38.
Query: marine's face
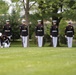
column 39, row 22
column 7, row 22
column 69, row 24
column 24, row 23
column 54, row 23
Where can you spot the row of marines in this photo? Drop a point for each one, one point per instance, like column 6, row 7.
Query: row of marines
column 39, row 34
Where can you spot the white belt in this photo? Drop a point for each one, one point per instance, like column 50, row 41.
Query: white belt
column 7, row 30
column 23, row 30
column 69, row 31
column 39, row 30
column 54, row 31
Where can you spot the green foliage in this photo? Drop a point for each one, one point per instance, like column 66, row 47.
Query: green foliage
column 67, row 8
column 62, row 26
column 70, row 14
column 47, row 32
column 3, row 7
column 14, row 0
column 74, row 24
column 15, row 23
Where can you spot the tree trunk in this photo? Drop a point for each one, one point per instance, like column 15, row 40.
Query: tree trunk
column 27, row 17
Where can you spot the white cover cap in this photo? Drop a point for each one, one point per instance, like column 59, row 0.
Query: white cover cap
column 23, row 20
column 7, row 20
column 69, row 22
column 38, row 20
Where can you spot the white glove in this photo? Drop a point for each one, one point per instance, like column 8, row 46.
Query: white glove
column 73, row 35
column 36, row 36
column 51, row 36
column 11, row 36
column 65, row 36
column 21, row 36
column 42, row 36
column 58, row 35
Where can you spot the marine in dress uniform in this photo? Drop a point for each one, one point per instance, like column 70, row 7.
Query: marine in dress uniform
column 24, row 33
column 54, row 33
column 4, row 41
column 39, row 32
column 69, row 34
column 7, row 30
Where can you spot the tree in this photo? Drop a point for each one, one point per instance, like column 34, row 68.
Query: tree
column 3, row 7
column 58, row 9
column 49, row 8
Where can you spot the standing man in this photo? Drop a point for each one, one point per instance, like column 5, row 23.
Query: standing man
column 54, row 33
column 24, row 33
column 69, row 34
column 7, row 30
column 39, row 32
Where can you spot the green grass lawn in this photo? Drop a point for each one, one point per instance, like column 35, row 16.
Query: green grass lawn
column 37, row 61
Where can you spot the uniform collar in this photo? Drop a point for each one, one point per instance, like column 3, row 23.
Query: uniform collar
column 7, row 24
column 40, row 25
column 24, row 24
